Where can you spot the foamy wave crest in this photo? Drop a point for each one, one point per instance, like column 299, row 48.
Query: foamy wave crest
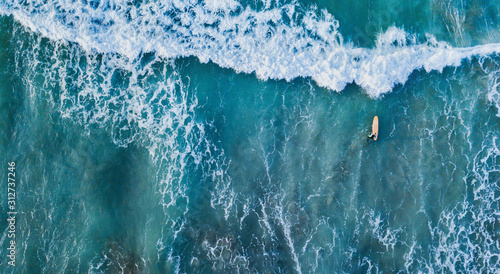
column 275, row 43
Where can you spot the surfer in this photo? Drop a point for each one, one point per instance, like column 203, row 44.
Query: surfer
column 374, row 134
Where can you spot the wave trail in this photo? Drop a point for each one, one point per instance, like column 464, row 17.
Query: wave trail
column 275, row 43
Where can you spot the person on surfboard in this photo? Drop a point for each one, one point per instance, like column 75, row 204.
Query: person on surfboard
column 374, row 134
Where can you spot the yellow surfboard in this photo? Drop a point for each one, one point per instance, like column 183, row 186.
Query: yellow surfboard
column 375, row 128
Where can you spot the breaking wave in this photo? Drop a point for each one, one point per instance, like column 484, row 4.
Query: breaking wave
column 273, row 42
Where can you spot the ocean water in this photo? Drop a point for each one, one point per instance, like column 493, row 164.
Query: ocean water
column 231, row 136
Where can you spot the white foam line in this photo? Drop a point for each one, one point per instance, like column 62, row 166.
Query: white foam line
column 494, row 91
column 286, row 231
column 276, row 43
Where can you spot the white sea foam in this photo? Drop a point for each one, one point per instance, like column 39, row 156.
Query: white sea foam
column 286, row 227
column 142, row 103
column 166, row 117
column 494, row 90
column 465, row 234
column 274, row 43
column 385, row 235
column 223, row 254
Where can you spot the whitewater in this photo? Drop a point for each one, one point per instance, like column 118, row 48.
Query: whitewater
column 224, row 136
column 274, row 43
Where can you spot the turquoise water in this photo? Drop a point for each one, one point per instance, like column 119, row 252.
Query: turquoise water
column 212, row 137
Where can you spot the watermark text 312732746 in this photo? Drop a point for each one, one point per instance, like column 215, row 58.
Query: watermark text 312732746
column 11, row 213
